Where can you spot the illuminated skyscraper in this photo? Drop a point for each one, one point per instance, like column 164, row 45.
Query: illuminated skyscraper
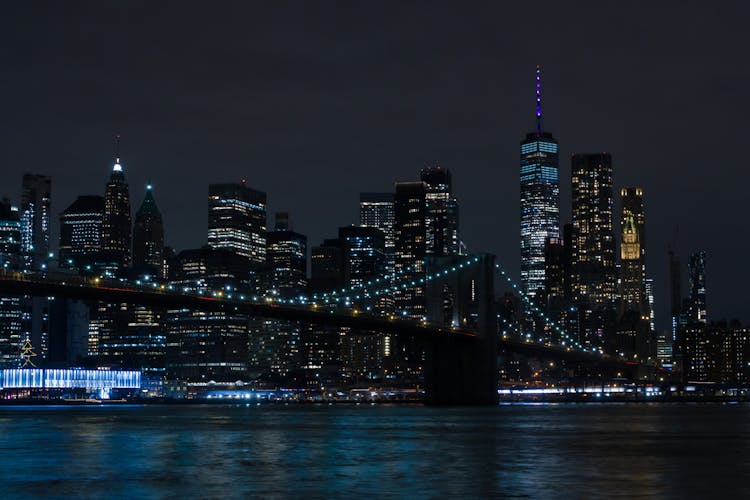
column 697, row 272
column 35, row 219
column 376, row 210
column 593, row 259
column 116, row 223
column 10, row 307
column 285, row 273
column 237, row 220
column 441, row 218
column 540, row 199
column 410, row 209
column 148, row 238
column 81, row 233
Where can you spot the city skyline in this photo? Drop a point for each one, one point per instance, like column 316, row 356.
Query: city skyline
column 477, row 142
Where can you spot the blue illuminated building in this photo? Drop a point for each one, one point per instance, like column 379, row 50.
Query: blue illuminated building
column 100, row 382
column 540, row 199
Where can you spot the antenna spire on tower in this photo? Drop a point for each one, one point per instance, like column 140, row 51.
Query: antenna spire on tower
column 539, row 100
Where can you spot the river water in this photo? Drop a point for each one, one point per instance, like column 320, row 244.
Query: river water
column 307, row 451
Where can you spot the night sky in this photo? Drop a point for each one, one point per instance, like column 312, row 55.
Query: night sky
column 314, row 102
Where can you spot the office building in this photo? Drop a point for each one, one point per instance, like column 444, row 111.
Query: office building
column 116, row 223
column 697, row 272
column 35, row 220
column 441, row 215
column 10, row 306
column 237, row 221
column 540, row 199
column 593, row 249
column 376, row 210
column 80, row 243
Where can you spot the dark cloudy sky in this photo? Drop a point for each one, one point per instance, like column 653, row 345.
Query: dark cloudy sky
column 314, row 102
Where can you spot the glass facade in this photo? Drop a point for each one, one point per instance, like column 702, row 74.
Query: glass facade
column 69, row 378
column 237, row 220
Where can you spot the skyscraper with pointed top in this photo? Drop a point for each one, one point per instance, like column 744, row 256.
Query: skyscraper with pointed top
column 540, row 199
column 148, row 237
column 116, row 223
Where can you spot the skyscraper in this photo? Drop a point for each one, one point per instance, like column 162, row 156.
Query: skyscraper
column 593, row 266
column 81, row 233
column 116, row 223
column 633, row 250
column 148, row 238
column 237, row 220
column 697, row 272
column 411, row 246
column 35, row 219
column 10, row 307
column 441, row 217
column 540, row 199
column 376, row 210
column 286, row 260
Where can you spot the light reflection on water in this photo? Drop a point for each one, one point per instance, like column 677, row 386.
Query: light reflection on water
column 567, row 450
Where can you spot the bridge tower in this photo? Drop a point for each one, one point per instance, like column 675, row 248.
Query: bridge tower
column 462, row 370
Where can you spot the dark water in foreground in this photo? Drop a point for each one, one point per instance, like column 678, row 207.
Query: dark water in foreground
column 536, row 451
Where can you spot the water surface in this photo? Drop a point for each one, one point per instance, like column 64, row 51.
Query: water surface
column 524, row 451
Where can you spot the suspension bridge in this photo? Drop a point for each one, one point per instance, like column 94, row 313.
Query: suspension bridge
column 461, row 359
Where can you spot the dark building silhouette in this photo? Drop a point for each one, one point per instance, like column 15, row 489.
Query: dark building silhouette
column 148, row 238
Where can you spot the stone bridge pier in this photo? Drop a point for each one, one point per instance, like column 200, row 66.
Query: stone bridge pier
column 459, row 369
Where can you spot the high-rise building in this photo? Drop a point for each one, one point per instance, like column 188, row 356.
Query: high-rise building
column 10, row 307
column 633, row 250
column 410, row 215
column 697, row 271
column 364, row 254
column 410, row 232
column 441, row 217
column 327, row 266
column 593, row 246
column 81, row 233
column 203, row 346
column 285, row 274
column 35, row 220
column 148, row 238
column 116, row 223
column 675, row 293
column 376, row 210
column 540, row 199
column 237, row 220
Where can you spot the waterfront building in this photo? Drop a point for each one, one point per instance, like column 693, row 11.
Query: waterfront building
column 80, row 242
column 204, row 346
column 540, row 199
column 364, row 261
column 594, row 281
column 237, row 221
column 148, row 239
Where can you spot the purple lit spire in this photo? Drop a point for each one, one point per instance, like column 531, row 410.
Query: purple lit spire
column 538, row 100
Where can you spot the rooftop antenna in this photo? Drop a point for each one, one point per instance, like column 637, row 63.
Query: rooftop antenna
column 538, row 100
column 117, row 148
